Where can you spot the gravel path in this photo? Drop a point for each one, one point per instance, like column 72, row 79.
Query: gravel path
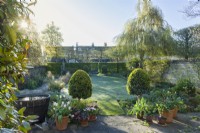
column 126, row 124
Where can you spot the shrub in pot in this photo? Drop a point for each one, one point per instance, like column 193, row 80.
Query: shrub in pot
column 80, row 85
column 139, row 108
column 138, row 82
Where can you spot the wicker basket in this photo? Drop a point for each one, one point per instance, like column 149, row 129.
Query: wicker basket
column 36, row 104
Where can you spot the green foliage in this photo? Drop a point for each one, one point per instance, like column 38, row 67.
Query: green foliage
column 60, row 106
column 127, row 104
column 187, row 39
column 35, row 51
column 13, row 51
column 32, row 83
column 138, row 82
column 193, row 103
column 56, row 85
column 51, row 35
column 134, row 63
column 80, row 85
column 165, row 99
column 156, row 69
column 147, row 35
column 86, row 68
column 104, row 69
column 185, row 87
column 55, row 68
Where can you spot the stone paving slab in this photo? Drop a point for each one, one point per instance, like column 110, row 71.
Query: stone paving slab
column 129, row 124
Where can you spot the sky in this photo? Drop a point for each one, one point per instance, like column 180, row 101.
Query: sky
column 100, row 21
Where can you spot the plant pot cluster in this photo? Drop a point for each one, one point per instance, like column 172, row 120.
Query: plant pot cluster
column 81, row 116
column 163, row 102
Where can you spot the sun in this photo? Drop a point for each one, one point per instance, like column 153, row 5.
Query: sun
column 24, row 24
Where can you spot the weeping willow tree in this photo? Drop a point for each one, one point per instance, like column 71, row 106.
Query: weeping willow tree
column 148, row 35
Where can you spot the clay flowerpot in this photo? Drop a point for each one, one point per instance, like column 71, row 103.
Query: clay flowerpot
column 162, row 120
column 63, row 124
column 84, row 123
column 149, row 118
column 169, row 115
column 92, row 118
column 175, row 112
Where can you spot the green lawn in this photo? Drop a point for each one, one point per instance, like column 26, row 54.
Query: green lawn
column 106, row 90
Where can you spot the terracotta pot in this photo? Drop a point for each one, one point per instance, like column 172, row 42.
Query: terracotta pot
column 149, row 118
column 169, row 115
column 63, row 124
column 92, row 118
column 84, row 123
column 175, row 112
column 162, row 120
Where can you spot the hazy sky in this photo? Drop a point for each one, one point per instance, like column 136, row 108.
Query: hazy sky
column 99, row 21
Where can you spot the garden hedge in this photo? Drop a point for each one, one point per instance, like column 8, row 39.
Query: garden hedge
column 55, row 67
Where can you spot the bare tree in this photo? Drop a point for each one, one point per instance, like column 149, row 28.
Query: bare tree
column 193, row 9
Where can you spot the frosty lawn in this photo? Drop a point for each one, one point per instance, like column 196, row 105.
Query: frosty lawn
column 106, row 90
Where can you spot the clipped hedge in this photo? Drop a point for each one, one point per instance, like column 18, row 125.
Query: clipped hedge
column 55, row 67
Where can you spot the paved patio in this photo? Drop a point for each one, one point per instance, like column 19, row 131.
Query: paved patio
column 127, row 124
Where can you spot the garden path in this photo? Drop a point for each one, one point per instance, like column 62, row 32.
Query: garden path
column 127, row 124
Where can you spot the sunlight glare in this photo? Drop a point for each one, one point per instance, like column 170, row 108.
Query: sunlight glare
column 24, row 24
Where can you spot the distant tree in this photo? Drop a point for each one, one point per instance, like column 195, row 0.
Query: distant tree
column 193, row 9
column 147, row 35
column 51, row 35
column 35, row 50
column 188, row 41
column 115, row 53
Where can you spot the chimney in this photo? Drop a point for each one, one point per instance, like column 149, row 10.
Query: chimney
column 105, row 44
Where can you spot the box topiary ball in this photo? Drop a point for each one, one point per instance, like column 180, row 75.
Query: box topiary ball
column 80, row 85
column 138, row 82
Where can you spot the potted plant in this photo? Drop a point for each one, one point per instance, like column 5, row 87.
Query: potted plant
column 177, row 104
column 80, row 112
column 139, row 108
column 149, row 111
column 84, row 117
column 61, row 110
column 161, row 108
column 92, row 111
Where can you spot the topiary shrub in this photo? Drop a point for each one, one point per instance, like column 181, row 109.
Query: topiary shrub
column 104, row 69
column 138, row 82
column 80, row 85
column 185, row 87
